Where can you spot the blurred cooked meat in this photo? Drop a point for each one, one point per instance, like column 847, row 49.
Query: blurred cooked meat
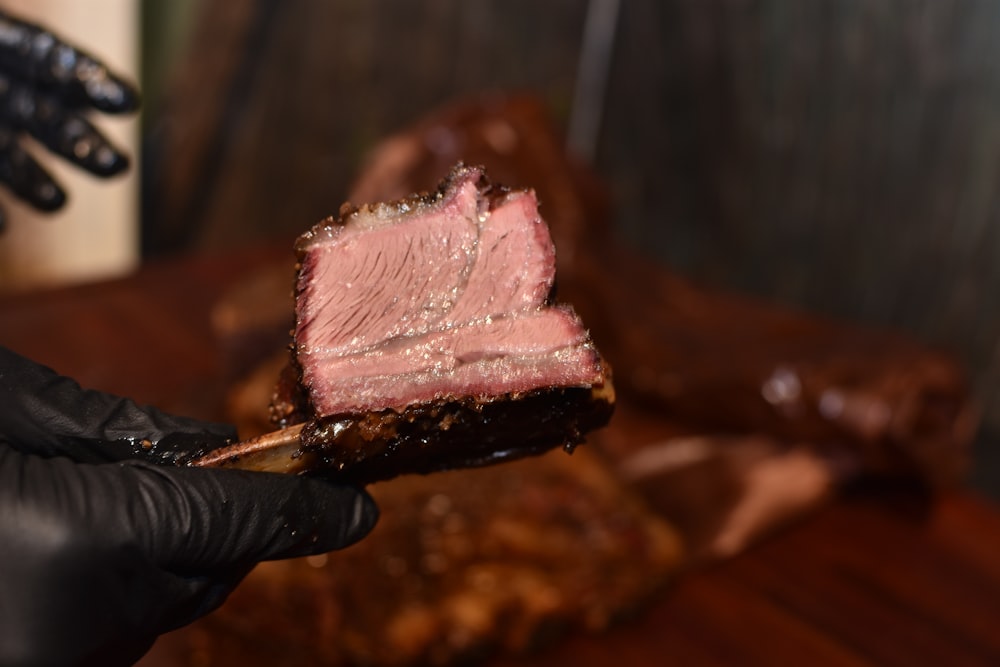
column 714, row 361
column 461, row 563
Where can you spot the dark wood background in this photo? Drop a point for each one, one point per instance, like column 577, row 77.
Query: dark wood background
column 837, row 155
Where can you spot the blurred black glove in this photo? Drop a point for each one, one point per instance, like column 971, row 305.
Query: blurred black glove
column 46, row 85
column 103, row 547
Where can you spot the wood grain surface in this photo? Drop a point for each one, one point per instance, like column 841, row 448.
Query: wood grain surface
column 881, row 577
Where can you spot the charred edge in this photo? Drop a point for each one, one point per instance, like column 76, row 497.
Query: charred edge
column 444, row 434
column 290, row 402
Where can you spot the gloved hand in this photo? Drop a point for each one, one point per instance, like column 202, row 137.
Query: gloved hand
column 46, row 85
column 105, row 544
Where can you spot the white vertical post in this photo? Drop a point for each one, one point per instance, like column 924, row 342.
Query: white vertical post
column 96, row 234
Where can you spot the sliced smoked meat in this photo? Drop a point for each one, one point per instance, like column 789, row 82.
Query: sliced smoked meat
column 426, row 338
column 438, row 297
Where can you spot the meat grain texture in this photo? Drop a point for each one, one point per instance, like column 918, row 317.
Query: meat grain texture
column 426, row 337
column 435, row 297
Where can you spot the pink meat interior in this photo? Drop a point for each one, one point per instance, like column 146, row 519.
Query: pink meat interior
column 406, row 304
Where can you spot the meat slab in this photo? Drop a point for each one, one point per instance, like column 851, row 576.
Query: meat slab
column 435, row 297
column 462, row 565
column 426, row 337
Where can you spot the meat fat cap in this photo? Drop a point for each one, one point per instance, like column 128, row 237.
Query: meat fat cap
column 374, row 214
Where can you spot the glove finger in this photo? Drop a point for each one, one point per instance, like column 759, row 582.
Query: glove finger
column 25, row 177
column 125, row 625
column 63, row 131
column 44, row 413
column 34, row 54
column 72, row 137
column 72, row 566
column 105, row 608
column 183, row 599
column 196, row 520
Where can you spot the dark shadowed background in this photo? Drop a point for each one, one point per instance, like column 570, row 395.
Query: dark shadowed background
column 841, row 156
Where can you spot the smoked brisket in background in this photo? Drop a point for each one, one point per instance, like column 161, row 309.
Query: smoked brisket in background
column 711, row 361
column 829, row 155
column 462, row 564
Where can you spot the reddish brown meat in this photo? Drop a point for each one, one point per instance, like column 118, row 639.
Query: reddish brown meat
column 435, row 298
column 461, row 565
column 713, row 361
column 426, row 339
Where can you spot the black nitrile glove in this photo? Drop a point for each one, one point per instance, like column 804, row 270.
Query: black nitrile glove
column 46, row 86
column 99, row 558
